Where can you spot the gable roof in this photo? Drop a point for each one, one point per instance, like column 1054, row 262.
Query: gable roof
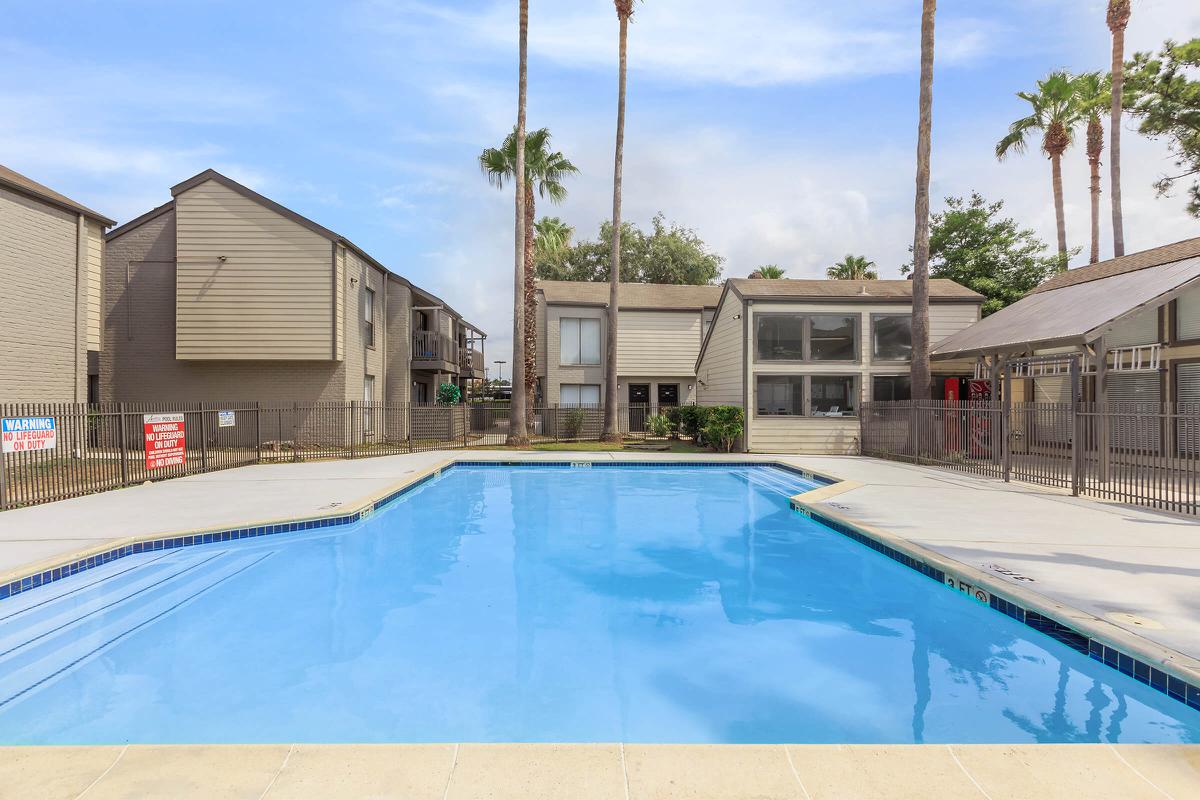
column 300, row 219
column 821, row 289
column 1074, row 314
column 632, row 296
column 27, row 186
column 1133, row 262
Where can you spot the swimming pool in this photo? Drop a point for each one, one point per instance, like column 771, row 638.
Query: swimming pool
column 531, row 603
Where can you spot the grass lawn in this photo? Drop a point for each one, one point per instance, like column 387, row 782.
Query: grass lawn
column 603, row 447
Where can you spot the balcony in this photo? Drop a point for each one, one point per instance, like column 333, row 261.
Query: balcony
column 433, row 350
column 470, row 362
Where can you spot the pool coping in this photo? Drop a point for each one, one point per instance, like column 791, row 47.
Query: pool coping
column 1163, row 669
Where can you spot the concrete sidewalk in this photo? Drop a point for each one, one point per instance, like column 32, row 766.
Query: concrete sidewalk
column 1137, row 569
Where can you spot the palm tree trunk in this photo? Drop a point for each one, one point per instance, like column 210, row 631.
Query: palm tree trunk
column 611, row 432
column 518, row 435
column 1060, row 219
column 921, row 381
column 529, row 348
column 1095, row 145
column 1114, row 133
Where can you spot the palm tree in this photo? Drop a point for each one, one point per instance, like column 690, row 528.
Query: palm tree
column 853, row 268
column 1118, row 19
column 770, row 272
column 1092, row 94
column 518, row 431
column 545, row 170
column 1055, row 112
column 920, row 379
column 610, row 432
column 551, row 237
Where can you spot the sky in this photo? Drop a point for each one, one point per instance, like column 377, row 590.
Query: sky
column 781, row 131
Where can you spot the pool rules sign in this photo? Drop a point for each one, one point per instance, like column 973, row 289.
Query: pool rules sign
column 165, row 444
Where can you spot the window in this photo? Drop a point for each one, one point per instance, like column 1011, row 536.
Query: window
column 1187, row 316
column 369, row 318
column 891, row 337
column 579, row 341
column 780, row 395
column 891, row 387
column 706, row 321
column 368, row 401
column 579, row 394
column 806, row 395
column 806, row 337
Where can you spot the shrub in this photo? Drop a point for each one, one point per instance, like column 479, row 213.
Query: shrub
column 448, row 395
column 692, row 420
column 573, row 423
column 659, row 425
column 725, row 424
column 674, row 415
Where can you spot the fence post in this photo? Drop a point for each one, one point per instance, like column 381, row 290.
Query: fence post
column 913, row 432
column 466, row 424
column 295, row 431
column 203, row 440
column 124, row 445
column 1006, row 426
column 1076, row 426
column 353, row 425
column 3, row 483
column 258, row 432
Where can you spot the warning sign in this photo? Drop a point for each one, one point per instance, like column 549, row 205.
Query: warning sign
column 165, row 445
column 26, row 434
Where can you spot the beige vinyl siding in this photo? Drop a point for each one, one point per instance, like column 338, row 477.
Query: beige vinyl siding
column 272, row 298
column 946, row 319
column 45, row 356
column 95, row 280
column 1140, row 329
column 817, row 435
column 721, row 373
column 657, row 342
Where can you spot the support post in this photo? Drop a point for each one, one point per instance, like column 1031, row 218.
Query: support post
column 257, row 432
column 1006, row 425
column 353, row 425
column 124, row 445
column 1100, row 407
column 203, row 440
column 1076, row 426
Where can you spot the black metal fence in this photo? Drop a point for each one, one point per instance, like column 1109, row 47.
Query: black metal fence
column 106, row 446
column 1140, row 453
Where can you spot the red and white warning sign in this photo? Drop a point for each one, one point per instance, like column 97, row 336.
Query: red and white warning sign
column 165, row 445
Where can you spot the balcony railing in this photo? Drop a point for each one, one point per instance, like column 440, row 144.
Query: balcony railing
column 433, row 346
column 471, row 360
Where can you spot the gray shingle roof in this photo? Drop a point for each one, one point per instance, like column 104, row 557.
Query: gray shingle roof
column 16, row 180
column 1119, row 266
column 632, row 295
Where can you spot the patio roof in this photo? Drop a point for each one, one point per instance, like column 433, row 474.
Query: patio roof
column 1079, row 311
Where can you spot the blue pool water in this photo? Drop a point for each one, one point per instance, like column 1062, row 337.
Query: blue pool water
column 550, row 604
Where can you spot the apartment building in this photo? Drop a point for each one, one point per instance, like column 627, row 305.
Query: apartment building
column 659, row 332
column 1132, row 324
column 51, row 260
column 222, row 294
column 802, row 355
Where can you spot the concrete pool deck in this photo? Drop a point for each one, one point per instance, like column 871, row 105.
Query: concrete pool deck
column 602, row 772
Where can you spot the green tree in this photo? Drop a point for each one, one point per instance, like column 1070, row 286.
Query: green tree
column 1164, row 91
column 545, row 171
column 667, row 254
column 551, row 238
column 1094, row 95
column 770, row 272
column 853, row 268
column 972, row 243
column 1054, row 112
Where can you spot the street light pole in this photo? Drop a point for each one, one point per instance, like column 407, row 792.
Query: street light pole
column 501, row 366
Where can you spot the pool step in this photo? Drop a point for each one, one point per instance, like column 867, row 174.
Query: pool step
column 777, row 480
column 67, row 636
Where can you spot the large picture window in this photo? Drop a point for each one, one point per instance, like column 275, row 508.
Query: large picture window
column 806, row 395
column 891, row 337
column 579, row 341
column 579, row 394
column 891, row 387
column 806, row 337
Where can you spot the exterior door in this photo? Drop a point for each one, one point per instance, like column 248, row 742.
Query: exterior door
column 668, row 394
column 639, row 405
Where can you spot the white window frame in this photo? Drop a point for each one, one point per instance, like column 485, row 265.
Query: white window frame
column 578, row 323
column 369, row 316
column 571, row 395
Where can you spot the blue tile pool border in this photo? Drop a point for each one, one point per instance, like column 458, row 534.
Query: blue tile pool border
column 1125, row 663
column 43, row 577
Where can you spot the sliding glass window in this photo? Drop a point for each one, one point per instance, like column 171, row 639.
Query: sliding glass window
column 806, row 337
column 891, row 337
column 806, row 395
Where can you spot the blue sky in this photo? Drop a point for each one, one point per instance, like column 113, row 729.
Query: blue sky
column 781, row 130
